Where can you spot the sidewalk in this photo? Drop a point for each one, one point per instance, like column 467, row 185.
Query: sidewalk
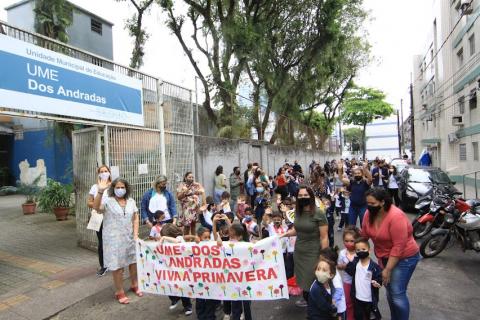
column 42, row 270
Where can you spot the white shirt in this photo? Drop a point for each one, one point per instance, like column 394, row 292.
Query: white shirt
column 337, row 284
column 347, row 205
column 291, row 244
column 279, row 231
column 155, row 231
column 207, row 215
column 363, row 283
column 392, row 182
column 342, row 259
column 338, row 204
column 159, row 202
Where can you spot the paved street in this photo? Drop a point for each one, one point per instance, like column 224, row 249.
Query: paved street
column 43, row 274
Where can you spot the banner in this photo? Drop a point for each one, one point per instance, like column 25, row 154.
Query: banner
column 234, row 271
column 36, row 79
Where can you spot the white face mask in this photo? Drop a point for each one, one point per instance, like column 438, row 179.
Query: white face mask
column 120, row 192
column 322, row 276
column 104, row 175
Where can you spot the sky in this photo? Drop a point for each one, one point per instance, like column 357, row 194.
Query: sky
column 397, row 30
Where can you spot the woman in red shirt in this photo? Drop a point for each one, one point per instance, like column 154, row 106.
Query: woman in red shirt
column 395, row 248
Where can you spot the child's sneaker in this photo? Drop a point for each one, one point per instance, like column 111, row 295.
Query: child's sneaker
column 301, row 303
column 174, row 305
column 188, row 311
column 339, row 229
column 226, row 317
column 242, row 316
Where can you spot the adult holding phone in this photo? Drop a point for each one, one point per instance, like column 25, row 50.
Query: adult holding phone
column 158, row 198
column 120, row 226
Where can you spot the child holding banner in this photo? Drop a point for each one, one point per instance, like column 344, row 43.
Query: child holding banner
column 237, row 234
column 205, row 308
column 173, row 234
column 157, row 226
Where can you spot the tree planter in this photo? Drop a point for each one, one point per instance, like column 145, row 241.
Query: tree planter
column 29, row 208
column 61, row 213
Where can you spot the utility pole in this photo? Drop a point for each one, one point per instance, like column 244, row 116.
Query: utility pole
column 412, row 123
column 399, row 136
column 402, row 138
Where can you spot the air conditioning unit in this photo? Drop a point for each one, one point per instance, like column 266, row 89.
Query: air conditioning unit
column 452, row 137
column 457, row 120
column 466, row 6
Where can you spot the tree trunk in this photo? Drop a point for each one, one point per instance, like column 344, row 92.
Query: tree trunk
column 278, row 127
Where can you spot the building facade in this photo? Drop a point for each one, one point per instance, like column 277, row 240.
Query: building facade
column 30, row 142
column 446, row 80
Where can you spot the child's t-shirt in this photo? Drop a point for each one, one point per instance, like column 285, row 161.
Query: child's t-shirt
column 363, row 283
column 207, row 216
column 343, row 259
column 339, row 295
column 338, row 202
column 347, row 205
column 272, row 230
column 155, row 231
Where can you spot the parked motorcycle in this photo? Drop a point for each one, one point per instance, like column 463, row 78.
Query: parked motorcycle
column 461, row 226
column 429, row 207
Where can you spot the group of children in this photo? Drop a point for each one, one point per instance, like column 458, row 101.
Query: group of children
column 219, row 223
column 347, row 285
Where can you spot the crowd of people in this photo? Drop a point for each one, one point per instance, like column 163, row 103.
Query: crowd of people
column 301, row 208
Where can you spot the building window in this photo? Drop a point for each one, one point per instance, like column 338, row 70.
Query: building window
column 460, row 57
column 461, row 105
column 473, row 99
column 463, row 152
column 96, row 26
column 471, row 43
column 475, row 151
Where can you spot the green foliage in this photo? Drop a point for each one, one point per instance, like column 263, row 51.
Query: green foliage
column 52, row 18
column 364, row 105
column 134, row 25
column 353, row 138
column 30, row 191
column 55, row 195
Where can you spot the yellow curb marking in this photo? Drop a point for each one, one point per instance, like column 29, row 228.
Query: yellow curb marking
column 52, row 284
column 10, row 302
column 28, row 263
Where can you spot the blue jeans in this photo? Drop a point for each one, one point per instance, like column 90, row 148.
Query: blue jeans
column 217, row 196
column 355, row 212
column 397, row 288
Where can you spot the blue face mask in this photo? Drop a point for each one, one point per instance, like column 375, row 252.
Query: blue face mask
column 260, row 190
column 248, row 218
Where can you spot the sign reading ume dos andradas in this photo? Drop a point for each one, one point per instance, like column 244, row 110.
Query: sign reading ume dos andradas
column 35, row 79
column 233, row 271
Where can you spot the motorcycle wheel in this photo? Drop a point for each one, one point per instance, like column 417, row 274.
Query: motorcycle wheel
column 420, row 230
column 433, row 245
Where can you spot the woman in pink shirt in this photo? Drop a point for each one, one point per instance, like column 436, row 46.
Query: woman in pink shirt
column 395, row 248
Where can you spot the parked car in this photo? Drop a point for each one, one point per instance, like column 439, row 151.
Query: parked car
column 416, row 181
column 399, row 163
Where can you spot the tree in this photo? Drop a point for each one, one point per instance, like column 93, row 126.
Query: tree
column 52, row 18
column 134, row 25
column 353, row 139
column 362, row 106
column 307, row 55
column 220, row 38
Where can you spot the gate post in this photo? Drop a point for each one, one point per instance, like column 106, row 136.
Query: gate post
column 161, row 127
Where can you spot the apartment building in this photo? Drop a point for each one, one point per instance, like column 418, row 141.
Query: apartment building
column 446, row 80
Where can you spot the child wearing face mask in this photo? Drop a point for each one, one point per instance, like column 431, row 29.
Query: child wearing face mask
column 205, row 308
column 236, row 233
column 338, row 297
column 366, row 281
column 320, row 298
column 345, row 256
column 278, row 227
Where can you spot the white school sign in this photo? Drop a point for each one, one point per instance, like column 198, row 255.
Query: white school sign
column 40, row 80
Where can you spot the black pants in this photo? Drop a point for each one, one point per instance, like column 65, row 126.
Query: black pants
column 282, row 191
column 100, row 246
column 289, row 264
column 343, row 219
column 305, row 295
column 395, row 197
column 227, row 307
column 331, row 225
column 338, row 211
column 206, row 308
column 186, row 302
column 241, row 306
column 362, row 310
